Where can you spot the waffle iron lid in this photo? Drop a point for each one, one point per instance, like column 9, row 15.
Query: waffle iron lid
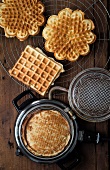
column 89, row 94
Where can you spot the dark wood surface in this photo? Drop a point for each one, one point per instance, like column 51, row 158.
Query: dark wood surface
column 94, row 157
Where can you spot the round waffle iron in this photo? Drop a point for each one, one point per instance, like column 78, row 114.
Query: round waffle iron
column 89, row 94
column 89, row 97
column 29, row 109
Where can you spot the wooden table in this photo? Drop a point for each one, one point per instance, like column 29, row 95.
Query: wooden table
column 94, row 157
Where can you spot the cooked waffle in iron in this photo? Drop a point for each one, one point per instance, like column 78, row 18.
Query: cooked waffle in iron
column 45, row 133
column 21, row 18
column 36, row 70
column 68, row 34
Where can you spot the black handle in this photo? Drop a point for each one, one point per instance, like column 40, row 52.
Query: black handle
column 18, row 152
column 26, row 102
column 88, row 136
column 71, row 161
column 92, row 137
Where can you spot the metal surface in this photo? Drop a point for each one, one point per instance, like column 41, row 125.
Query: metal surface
column 44, row 105
column 89, row 94
column 53, row 7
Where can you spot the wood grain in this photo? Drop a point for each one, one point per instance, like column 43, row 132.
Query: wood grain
column 101, row 56
column 94, row 157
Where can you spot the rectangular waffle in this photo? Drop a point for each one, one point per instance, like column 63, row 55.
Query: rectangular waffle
column 36, row 70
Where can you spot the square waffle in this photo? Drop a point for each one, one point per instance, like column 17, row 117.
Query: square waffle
column 36, row 70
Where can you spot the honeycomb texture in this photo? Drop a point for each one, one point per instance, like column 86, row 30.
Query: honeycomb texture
column 21, row 18
column 68, row 34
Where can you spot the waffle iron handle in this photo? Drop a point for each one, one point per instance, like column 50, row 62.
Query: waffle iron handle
column 54, row 89
column 20, row 107
column 71, row 161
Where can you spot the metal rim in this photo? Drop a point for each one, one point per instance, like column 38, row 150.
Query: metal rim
column 28, row 110
column 70, row 98
column 52, row 7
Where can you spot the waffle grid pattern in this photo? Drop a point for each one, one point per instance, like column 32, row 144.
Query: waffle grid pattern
column 68, row 34
column 93, row 95
column 40, row 133
column 36, row 70
column 21, row 18
column 71, row 68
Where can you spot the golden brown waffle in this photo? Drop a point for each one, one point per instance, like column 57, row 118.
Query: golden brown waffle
column 21, row 18
column 68, row 34
column 36, row 70
column 45, row 133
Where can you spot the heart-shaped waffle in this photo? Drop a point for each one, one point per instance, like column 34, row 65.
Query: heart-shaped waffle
column 21, row 18
column 68, row 34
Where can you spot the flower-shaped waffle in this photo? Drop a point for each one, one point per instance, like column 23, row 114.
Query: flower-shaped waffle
column 68, row 34
column 21, row 18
